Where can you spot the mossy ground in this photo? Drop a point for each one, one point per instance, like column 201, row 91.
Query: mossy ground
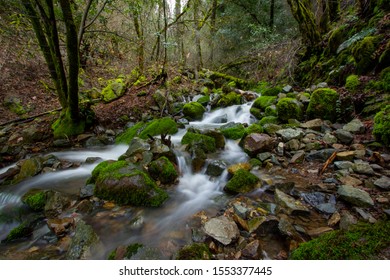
column 363, row 242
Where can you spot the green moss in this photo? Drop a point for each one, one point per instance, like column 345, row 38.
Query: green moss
column 21, row 231
column 35, row 199
column 205, row 142
column 352, row 83
column 289, row 108
column 159, row 126
column 263, row 102
column 108, row 168
column 193, row 111
column 242, row 182
column 131, row 250
column 229, row 99
column 273, row 91
column 65, row 127
column 256, row 112
column 233, row 131
column 362, row 242
column 14, row 105
column 271, row 111
column 130, row 133
column 337, row 36
column 363, row 53
column 115, row 89
column 384, row 59
column 254, row 128
column 269, row 120
column 323, row 104
column 195, row 251
column 255, row 162
column 204, row 100
column 163, row 170
column 382, row 126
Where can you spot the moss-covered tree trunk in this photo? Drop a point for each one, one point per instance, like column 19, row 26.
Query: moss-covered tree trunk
column 301, row 10
column 366, row 7
column 141, row 41
column 334, row 10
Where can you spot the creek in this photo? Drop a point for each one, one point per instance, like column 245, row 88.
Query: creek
column 167, row 227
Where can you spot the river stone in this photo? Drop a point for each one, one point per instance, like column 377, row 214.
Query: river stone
column 290, row 133
column 222, row 229
column 28, row 168
column 289, row 205
column 329, row 139
column 362, row 167
column 256, row 143
column 345, row 156
column 252, row 250
column 315, row 124
column 298, row 157
column 355, row 126
column 345, row 137
column 351, row 181
column 84, row 241
column 293, row 145
column 137, row 146
column 321, row 155
column 218, row 137
column 343, row 164
column 87, row 191
column 355, row 196
column 56, row 203
column 215, row 168
column 383, row 183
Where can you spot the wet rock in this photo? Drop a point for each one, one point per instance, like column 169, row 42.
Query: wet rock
column 84, row 207
column 363, row 167
column 94, row 142
column 321, row 155
column 84, row 241
column 218, row 137
column 62, row 143
column 290, row 133
column 137, row 146
column 87, row 191
column 28, row 168
column 163, row 170
column 193, row 111
column 194, row 251
column 345, row 156
column 220, row 119
column 60, row 227
column 195, row 139
column 345, row 137
column 289, row 205
column 321, row 202
column 216, row 168
column 315, row 124
column 222, row 229
column 256, row 143
column 383, row 183
column 355, row 196
column 252, row 250
column 35, row 199
column 56, row 203
column 233, row 130
column 355, row 126
column 9, row 174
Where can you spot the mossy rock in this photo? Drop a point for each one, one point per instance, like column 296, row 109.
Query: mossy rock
column 65, row 127
column 115, row 89
column 204, row 100
column 257, row 113
column 206, row 143
column 121, row 183
column 289, row 108
column 35, row 199
column 382, row 126
column 268, row 120
column 254, row 128
column 361, row 242
column 271, row 111
column 233, row 131
column 352, row 83
column 337, row 36
column 195, row 251
column 129, row 251
column 23, row 230
column 263, row 102
column 193, row 111
column 159, row 126
column 273, row 91
column 14, row 105
column 323, row 104
column 363, row 52
column 28, row 168
column 242, row 182
column 130, row 133
column 163, row 170
column 230, row 99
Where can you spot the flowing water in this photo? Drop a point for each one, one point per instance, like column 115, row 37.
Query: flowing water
column 165, row 228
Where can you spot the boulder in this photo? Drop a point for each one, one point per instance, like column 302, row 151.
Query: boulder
column 355, row 126
column 163, row 170
column 289, row 205
column 28, row 168
column 288, row 134
column 344, row 137
column 206, row 143
column 56, row 203
column 323, row 104
column 289, row 108
column 215, row 168
column 222, row 229
column 115, row 89
column 242, row 182
column 233, row 130
column 355, row 196
column 193, row 111
column 256, row 143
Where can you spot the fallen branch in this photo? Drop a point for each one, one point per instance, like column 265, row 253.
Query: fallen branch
column 31, row 118
column 329, row 161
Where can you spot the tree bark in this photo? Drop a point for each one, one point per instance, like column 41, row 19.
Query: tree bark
column 272, row 15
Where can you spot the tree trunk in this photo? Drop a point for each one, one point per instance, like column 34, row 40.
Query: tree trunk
column 198, row 27
column 324, row 20
column 272, row 15
column 141, row 41
column 213, row 30
column 334, row 10
column 73, row 60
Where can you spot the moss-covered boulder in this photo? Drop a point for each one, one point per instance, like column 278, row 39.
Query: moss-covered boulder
column 35, row 199
column 206, row 143
column 382, row 126
column 229, row 99
column 159, row 126
column 289, row 108
column 272, row 91
column 121, row 183
column 193, row 111
column 233, row 130
column 28, row 168
column 352, row 83
column 130, row 133
column 83, row 243
column 361, row 242
column 115, row 89
column 323, row 104
column 268, row 120
column 363, row 51
column 163, row 170
column 242, row 182
column 195, row 251
column 23, row 230
column 263, row 102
